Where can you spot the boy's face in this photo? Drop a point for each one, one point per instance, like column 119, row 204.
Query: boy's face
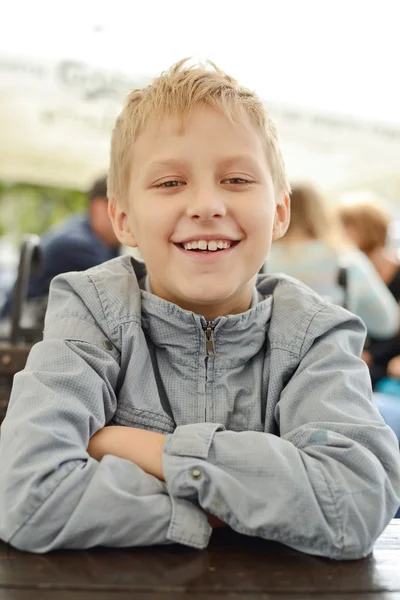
column 208, row 184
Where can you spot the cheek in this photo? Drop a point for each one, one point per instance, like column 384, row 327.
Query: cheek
column 258, row 221
column 153, row 223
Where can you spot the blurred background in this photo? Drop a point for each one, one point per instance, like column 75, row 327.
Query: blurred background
column 328, row 71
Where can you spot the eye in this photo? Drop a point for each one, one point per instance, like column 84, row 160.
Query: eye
column 236, row 181
column 170, row 184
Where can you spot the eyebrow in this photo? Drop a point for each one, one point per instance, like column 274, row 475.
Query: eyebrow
column 167, row 163
column 239, row 158
column 225, row 162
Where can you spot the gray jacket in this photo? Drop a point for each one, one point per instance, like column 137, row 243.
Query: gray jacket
column 268, row 413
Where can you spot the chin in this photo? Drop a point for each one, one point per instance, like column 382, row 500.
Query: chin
column 207, row 297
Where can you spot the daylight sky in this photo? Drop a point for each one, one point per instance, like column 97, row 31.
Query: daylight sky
column 337, row 56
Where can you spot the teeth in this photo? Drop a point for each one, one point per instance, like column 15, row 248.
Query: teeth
column 211, row 246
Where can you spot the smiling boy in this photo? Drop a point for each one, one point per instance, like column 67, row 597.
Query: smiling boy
column 211, row 183
column 171, row 398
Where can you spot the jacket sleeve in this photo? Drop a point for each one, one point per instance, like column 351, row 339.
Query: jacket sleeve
column 329, row 484
column 52, row 493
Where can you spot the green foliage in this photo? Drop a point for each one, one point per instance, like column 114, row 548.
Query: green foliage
column 26, row 208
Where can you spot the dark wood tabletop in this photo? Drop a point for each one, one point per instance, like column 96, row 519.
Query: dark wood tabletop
column 233, row 567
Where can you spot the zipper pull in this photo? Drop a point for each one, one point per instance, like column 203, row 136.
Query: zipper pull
column 209, row 334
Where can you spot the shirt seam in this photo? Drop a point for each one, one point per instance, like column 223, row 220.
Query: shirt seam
column 301, row 355
column 69, row 316
column 102, row 302
column 335, row 510
column 154, row 415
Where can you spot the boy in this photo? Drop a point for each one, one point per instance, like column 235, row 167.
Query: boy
column 168, row 399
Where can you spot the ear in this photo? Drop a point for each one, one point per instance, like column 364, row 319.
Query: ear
column 282, row 217
column 120, row 222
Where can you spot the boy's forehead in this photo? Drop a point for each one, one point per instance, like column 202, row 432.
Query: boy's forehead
column 236, row 139
column 180, row 124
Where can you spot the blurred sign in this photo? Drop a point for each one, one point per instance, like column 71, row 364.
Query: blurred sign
column 56, row 119
column 335, row 151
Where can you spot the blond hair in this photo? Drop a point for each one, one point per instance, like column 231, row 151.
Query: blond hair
column 179, row 92
column 369, row 216
column 312, row 217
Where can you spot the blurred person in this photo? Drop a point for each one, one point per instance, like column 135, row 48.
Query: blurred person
column 313, row 250
column 83, row 241
column 366, row 219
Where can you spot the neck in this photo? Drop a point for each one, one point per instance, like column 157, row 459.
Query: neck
column 210, row 311
column 210, row 314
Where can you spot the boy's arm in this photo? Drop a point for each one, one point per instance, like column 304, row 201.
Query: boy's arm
column 330, row 484
column 52, row 493
column 142, row 447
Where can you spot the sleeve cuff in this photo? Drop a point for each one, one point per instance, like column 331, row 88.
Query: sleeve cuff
column 182, row 451
column 189, row 524
column 192, row 440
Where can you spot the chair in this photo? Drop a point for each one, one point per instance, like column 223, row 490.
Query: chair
column 14, row 348
column 30, row 262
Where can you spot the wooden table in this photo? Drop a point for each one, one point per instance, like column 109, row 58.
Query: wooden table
column 232, row 568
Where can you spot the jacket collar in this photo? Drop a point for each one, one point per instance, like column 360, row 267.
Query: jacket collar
column 181, row 332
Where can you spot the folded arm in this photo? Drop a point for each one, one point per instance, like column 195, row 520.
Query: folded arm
column 53, row 494
column 327, row 486
column 142, row 447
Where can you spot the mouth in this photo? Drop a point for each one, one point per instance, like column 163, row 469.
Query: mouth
column 213, row 246
column 208, row 251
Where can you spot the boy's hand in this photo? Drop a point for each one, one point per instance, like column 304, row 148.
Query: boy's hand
column 144, row 448
column 215, row 522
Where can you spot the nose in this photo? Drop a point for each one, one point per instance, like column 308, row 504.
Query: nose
column 206, row 203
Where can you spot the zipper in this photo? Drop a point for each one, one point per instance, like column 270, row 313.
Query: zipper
column 208, row 329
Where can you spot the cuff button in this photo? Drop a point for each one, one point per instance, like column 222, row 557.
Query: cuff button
column 108, row 345
column 196, row 474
